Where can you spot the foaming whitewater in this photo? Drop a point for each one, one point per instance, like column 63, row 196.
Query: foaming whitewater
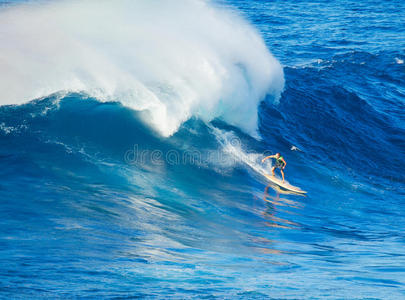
column 169, row 59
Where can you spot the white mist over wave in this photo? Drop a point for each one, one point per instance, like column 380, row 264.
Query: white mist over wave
column 232, row 145
column 170, row 59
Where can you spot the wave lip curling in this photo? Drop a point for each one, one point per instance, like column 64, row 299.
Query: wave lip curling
column 170, row 59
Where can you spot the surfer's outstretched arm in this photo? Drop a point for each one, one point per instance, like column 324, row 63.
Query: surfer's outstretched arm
column 267, row 157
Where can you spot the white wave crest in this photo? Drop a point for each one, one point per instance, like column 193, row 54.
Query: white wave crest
column 170, row 59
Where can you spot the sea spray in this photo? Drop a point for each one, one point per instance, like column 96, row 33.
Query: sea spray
column 169, row 59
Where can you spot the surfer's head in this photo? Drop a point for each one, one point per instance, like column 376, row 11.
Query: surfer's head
column 277, row 155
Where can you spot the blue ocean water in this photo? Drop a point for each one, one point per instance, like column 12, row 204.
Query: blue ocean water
column 101, row 198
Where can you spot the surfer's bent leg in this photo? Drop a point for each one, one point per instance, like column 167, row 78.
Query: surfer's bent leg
column 282, row 173
column 272, row 171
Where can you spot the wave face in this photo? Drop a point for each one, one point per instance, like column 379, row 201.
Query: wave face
column 170, row 60
column 130, row 162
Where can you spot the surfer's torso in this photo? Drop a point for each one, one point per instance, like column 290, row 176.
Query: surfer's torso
column 279, row 162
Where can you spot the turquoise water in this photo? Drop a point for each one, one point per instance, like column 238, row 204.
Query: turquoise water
column 108, row 193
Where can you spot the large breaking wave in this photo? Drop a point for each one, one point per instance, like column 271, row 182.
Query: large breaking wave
column 169, row 59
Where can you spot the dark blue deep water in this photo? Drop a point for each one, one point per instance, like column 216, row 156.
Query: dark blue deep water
column 81, row 217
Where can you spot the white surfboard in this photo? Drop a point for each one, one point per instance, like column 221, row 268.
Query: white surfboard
column 285, row 185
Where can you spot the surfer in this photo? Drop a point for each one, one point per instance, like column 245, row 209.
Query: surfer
column 280, row 163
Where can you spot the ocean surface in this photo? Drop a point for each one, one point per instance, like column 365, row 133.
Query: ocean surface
column 131, row 139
